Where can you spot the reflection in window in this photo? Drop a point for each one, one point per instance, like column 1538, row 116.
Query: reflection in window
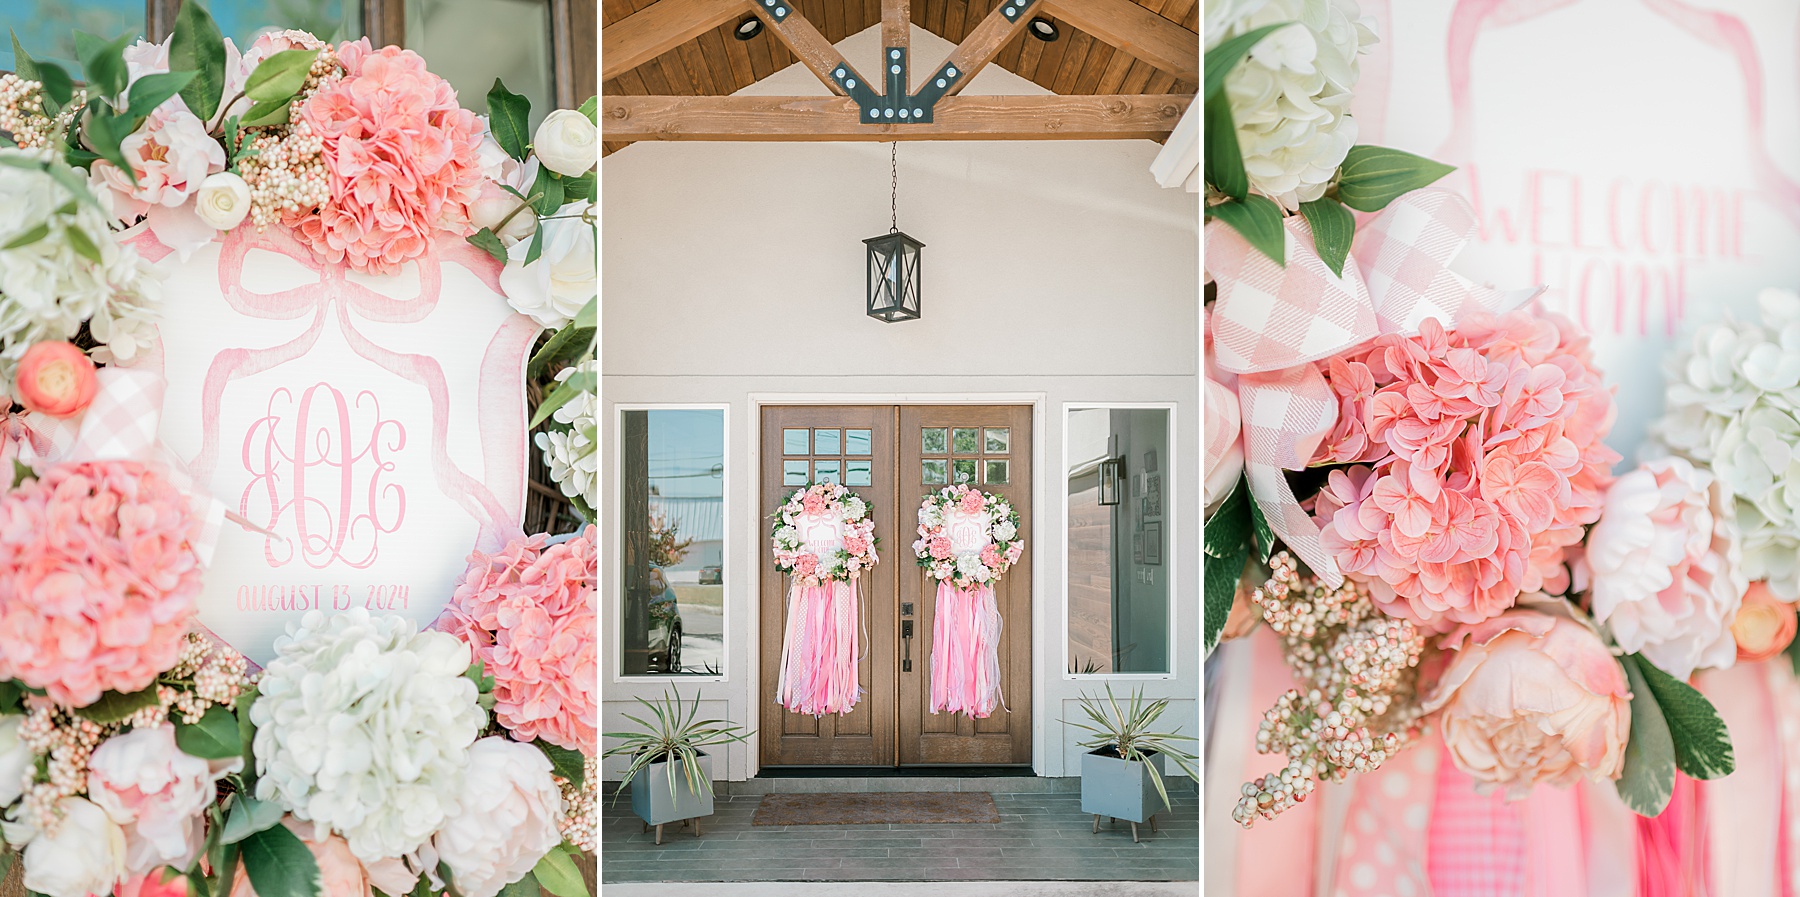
column 244, row 20
column 1118, row 573
column 46, row 28
column 472, row 42
column 673, row 523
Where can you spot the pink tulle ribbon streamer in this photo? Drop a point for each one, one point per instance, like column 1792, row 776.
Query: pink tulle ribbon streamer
column 965, row 651
column 819, row 650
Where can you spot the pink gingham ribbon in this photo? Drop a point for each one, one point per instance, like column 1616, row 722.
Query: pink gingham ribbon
column 1270, row 323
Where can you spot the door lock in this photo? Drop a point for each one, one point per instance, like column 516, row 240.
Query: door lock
column 906, row 627
column 906, row 608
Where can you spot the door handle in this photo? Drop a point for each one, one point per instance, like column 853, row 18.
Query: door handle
column 906, row 645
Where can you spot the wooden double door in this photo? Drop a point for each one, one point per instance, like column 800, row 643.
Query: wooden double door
column 892, row 456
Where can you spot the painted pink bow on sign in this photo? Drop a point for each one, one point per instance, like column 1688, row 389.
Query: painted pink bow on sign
column 1270, row 324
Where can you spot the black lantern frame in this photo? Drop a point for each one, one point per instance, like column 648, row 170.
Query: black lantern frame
column 894, row 269
column 1112, row 477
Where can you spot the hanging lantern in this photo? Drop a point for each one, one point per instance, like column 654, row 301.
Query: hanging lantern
column 1112, row 476
column 893, row 263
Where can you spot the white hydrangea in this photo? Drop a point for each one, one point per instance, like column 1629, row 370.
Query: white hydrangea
column 931, row 515
column 47, row 286
column 573, row 454
column 1733, row 404
column 854, row 509
column 364, row 726
column 1290, row 98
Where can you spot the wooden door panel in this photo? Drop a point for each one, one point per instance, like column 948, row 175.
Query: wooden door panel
column 865, row 736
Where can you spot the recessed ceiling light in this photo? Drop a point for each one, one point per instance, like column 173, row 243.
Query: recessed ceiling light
column 750, row 27
column 1043, row 29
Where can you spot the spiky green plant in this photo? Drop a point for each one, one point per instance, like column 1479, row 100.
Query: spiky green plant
column 676, row 736
column 1127, row 731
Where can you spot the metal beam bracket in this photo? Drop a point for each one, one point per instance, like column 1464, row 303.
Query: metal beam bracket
column 895, row 106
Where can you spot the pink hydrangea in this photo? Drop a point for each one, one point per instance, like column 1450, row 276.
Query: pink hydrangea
column 1475, row 460
column 972, row 501
column 940, row 547
column 528, row 612
column 404, row 159
column 97, row 579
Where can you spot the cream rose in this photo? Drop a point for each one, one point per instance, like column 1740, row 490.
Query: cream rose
column 157, row 793
column 1531, row 699
column 495, row 205
column 562, row 280
column 85, row 856
column 224, row 200
column 508, row 822
column 567, row 143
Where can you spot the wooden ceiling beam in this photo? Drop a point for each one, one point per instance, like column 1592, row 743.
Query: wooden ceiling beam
column 896, row 24
column 810, row 46
column 1136, row 30
column 659, row 28
column 752, row 118
column 983, row 44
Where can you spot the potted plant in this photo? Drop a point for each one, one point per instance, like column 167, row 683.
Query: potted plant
column 1122, row 773
column 673, row 775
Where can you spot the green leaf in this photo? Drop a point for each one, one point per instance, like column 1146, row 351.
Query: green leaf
column 1259, row 527
column 1649, row 777
column 567, row 763
column 548, row 190
column 557, row 873
column 1702, row 743
column 1372, row 176
column 1258, row 219
column 1221, row 59
column 509, row 117
column 578, row 189
column 279, row 864
column 477, row 673
column 247, row 731
column 589, row 316
column 84, row 247
column 21, row 473
column 12, row 697
column 591, row 109
column 58, row 86
column 567, row 344
column 150, row 91
column 23, row 65
column 524, row 887
column 265, row 115
column 1333, row 229
column 485, row 240
column 278, row 78
column 578, row 382
column 26, row 239
column 197, row 47
column 105, row 132
column 1224, row 161
column 214, row 737
column 534, row 251
column 249, row 816
column 115, row 707
column 1226, row 542
column 103, row 62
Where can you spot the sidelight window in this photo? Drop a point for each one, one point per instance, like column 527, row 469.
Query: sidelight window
column 1118, row 539
column 672, row 545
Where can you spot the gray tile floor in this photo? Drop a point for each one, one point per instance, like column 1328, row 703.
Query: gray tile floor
column 1040, row 836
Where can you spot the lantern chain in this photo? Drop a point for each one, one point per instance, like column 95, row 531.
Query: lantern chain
column 894, row 188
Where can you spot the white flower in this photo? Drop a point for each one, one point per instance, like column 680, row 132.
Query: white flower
column 562, row 280
column 364, row 726
column 1666, row 569
column 84, row 855
column 157, row 793
column 854, row 509
column 567, row 143
column 508, row 822
column 1290, row 98
column 17, row 762
column 572, row 456
column 1004, row 531
column 931, row 514
column 224, row 200
column 496, row 205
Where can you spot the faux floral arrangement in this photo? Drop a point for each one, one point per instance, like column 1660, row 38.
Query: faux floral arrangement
column 1000, row 548
column 848, row 513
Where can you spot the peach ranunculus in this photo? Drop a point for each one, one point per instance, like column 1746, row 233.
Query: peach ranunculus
column 56, row 378
column 1764, row 625
column 152, row 884
column 1530, row 698
column 340, row 873
column 157, row 793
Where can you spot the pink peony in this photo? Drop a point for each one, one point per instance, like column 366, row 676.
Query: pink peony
column 170, row 153
column 1476, row 461
column 404, row 159
column 529, row 613
column 97, row 579
column 340, row 873
column 940, row 547
column 1532, row 699
column 157, row 793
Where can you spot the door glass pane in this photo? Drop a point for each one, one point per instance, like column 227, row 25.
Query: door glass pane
column 936, row 472
column 796, row 442
column 672, row 526
column 471, row 42
column 793, row 473
column 967, row 441
column 825, row 471
column 857, row 442
column 46, row 28
column 963, row 469
column 244, row 20
column 1118, row 554
column 996, row 473
column 825, row 442
column 857, row 473
column 998, row 438
column 934, row 440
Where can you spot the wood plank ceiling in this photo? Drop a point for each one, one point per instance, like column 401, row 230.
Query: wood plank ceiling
column 718, row 64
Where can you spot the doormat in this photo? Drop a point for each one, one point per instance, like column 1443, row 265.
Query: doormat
column 877, row 807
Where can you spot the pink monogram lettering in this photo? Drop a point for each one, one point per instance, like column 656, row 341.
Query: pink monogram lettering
column 310, row 479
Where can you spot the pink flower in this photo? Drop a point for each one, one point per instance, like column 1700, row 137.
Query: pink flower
column 56, row 378
column 1764, row 625
column 990, row 556
column 151, row 884
column 855, row 544
column 1532, row 699
column 814, row 503
column 170, row 153
column 529, row 615
column 807, row 564
column 403, row 156
column 940, row 547
column 157, row 793
column 972, row 501
column 340, row 873
column 1013, row 552
column 97, row 579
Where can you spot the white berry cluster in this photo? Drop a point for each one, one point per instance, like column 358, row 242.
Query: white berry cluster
column 286, row 169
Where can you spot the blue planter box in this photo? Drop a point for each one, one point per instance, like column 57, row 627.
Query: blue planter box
column 1119, row 788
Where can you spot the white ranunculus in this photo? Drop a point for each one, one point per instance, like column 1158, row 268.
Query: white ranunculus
column 157, row 793
column 17, row 762
column 508, row 822
column 567, row 143
column 552, row 289
column 1290, row 99
column 1666, row 569
column 364, row 726
column 224, row 200
column 85, row 855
